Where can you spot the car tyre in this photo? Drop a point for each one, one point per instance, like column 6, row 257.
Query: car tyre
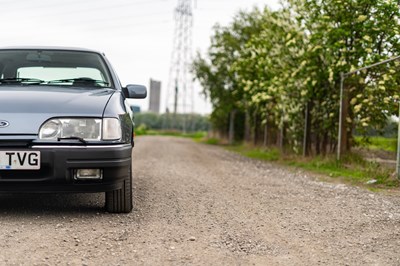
column 120, row 200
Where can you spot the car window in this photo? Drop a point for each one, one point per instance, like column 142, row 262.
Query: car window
column 48, row 74
column 53, row 67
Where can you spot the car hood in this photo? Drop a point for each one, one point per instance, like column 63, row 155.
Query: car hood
column 26, row 108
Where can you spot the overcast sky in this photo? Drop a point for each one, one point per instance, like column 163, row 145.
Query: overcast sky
column 136, row 35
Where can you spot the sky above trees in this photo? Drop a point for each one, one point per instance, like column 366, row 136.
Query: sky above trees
column 136, row 35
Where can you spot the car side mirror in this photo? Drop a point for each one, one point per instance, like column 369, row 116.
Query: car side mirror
column 136, row 91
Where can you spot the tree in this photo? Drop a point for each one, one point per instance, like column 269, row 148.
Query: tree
column 216, row 74
column 284, row 67
column 353, row 34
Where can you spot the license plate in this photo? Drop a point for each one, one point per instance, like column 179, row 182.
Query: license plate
column 19, row 160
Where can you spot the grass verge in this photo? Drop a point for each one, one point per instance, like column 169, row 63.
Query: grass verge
column 377, row 143
column 352, row 169
column 197, row 136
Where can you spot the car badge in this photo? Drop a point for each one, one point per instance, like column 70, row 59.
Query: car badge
column 4, row 123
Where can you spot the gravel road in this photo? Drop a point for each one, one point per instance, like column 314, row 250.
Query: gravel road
column 197, row 204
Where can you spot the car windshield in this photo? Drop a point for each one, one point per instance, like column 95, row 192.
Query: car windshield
column 53, row 67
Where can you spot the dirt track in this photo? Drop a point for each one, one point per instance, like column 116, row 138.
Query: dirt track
column 201, row 205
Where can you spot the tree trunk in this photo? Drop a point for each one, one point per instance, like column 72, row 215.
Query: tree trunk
column 307, row 131
column 325, row 143
column 318, row 143
column 344, row 145
column 256, row 128
column 266, row 134
column 232, row 126
column 281, row 135
column 247, row 126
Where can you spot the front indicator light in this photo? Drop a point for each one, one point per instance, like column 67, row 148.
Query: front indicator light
column 111, row 129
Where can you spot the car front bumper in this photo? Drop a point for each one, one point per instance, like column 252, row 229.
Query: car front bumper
column 59, row 163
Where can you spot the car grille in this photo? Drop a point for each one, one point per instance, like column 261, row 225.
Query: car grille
column 20, row 143
column 26, row 175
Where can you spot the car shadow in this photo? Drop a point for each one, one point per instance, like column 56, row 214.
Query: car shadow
column 42, row 204
column 70, row 204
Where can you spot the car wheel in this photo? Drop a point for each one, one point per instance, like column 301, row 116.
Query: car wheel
column 120, row 200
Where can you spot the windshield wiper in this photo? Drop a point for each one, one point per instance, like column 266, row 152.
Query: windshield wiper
column 29, row 81
column 80, row 82
column 73, row 138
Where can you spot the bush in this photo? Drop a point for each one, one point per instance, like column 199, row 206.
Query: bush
column 171, row 122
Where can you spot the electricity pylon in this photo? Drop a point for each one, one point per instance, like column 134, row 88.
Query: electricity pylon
column 181, row 57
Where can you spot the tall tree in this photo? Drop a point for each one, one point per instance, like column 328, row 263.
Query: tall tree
column 284, row 66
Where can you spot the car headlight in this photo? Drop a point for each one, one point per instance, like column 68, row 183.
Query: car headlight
column 85, row 128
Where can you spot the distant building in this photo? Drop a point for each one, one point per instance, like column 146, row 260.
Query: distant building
column 155, row 96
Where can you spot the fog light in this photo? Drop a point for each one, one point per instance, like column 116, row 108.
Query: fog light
column 88, row 174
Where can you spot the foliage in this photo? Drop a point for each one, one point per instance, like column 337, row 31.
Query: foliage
column 196, row 136
column 255, row 153
column 151, row 121
column 217, row 74
column 284, row 66
column 211, row 141
column 378, row 143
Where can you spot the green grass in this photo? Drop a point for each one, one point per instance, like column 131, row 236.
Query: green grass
column 378, row 143
column 211, row 141
column 353, row 169
column 172, row 133
column 256, row 153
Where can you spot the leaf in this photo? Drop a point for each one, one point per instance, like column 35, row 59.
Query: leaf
column 362, row 18
column 357, row 108
column 367, row 38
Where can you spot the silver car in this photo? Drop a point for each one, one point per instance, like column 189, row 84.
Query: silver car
column 65, row 124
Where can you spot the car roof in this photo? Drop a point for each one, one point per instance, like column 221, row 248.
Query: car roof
column 59, row 48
